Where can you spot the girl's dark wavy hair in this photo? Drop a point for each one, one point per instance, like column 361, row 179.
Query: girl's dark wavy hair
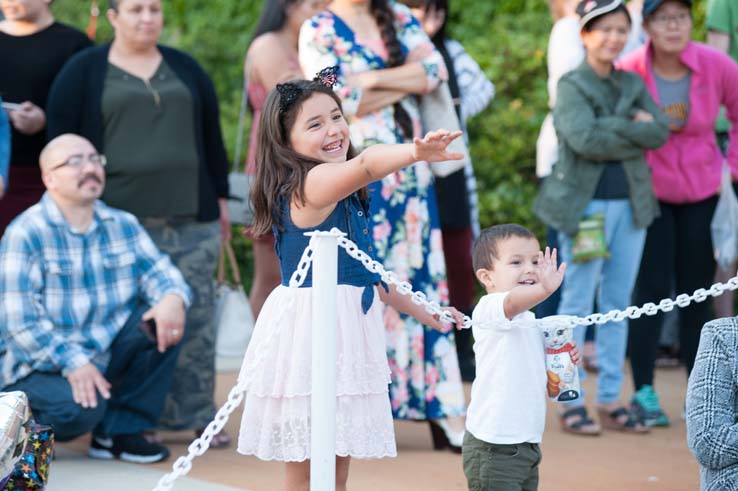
column 385, row 18
column 280, row 171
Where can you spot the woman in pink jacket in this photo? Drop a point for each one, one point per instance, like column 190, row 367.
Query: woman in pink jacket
column 690, row 81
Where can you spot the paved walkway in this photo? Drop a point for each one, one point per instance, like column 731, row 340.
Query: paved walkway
column 659, row 461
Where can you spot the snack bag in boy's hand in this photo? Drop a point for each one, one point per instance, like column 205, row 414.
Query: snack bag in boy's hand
column 563, row 375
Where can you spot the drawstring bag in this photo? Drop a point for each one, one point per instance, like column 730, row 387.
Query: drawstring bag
column 234, row 319
column 590, row 243
column 724, row 226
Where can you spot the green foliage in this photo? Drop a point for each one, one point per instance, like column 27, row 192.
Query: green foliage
column 507, row 37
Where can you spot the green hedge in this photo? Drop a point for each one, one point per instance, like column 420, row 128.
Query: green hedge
column 507, row 37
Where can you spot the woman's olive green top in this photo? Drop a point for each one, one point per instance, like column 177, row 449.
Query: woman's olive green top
column 149, row 141
column 593, row 118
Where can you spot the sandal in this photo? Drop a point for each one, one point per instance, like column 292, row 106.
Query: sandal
column 220, row 440
column 621, row 419
column 578, row 422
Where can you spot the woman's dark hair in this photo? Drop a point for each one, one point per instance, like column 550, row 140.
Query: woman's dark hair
column 113, row 4
column 280, row 171
column 589, row 26
column 273, row 16
column 438, row 40
column 385, row 18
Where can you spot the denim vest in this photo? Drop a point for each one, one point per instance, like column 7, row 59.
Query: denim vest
column 349, row 216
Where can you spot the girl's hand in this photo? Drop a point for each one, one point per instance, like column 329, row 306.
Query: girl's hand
column 445, row 327
column 549, row 274
column 432, row 148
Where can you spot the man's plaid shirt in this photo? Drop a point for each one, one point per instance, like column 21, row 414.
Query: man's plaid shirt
column 65, row 295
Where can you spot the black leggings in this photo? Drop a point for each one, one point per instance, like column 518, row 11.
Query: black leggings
column 678, row 252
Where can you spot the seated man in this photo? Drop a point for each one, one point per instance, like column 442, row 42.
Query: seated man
column 91, row 313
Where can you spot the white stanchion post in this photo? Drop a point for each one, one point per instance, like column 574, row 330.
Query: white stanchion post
column 323, row 400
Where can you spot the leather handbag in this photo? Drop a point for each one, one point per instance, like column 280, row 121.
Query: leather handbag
column 437, row 112
column 234, row 319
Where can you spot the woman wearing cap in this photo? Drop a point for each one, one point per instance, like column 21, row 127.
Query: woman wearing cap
column 689, row 81
column 599, row 197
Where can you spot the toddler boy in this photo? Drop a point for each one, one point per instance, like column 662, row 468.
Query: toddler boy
column 506, row 416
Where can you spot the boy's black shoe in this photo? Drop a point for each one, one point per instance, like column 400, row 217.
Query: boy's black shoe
column 130, row 448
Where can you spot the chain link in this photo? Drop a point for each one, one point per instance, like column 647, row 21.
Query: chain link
column 632, row 312
column 198, row 447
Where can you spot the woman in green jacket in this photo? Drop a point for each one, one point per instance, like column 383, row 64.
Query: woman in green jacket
column 599, row 196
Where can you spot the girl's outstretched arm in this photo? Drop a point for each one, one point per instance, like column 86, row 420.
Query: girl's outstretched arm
column 403, row 303
column 328, row 183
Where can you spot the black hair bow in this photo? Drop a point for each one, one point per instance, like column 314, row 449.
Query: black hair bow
column 289, row 92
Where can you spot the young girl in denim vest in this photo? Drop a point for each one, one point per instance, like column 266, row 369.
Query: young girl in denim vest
column 308, row 179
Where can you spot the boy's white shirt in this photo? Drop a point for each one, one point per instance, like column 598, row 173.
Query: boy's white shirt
column 508, row 398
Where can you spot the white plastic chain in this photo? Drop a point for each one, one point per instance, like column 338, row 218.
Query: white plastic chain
column 199, row 446
column 632, row 312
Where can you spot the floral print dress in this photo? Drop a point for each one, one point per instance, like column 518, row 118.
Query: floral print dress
column 426, row 383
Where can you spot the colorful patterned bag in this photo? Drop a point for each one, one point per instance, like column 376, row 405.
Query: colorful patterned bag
column 31, row 473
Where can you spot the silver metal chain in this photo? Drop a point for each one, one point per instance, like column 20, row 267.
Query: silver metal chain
column 200, row 445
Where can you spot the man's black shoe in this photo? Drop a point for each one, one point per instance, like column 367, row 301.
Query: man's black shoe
column 130, row 448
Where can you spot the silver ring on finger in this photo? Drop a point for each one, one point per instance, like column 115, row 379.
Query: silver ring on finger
column 175, row 333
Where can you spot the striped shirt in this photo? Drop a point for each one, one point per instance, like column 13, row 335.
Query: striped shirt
column 65, row 295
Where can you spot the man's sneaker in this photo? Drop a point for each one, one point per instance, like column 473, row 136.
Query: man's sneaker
column 131, row 448
column 645, row 404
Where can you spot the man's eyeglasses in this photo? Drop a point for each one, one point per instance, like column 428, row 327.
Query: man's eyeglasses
column 76, row 161
column 665, row 20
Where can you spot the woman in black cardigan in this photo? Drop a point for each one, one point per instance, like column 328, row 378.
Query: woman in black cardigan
column 154, row 113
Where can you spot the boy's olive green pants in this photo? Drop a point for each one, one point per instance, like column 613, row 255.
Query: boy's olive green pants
column 494, row 467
